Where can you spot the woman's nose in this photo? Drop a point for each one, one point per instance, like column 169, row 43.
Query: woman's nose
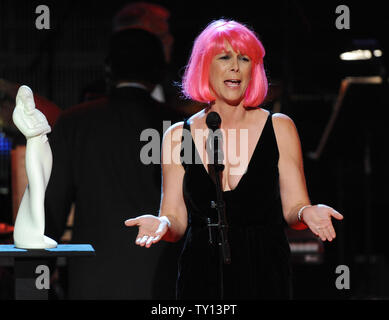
column 235, row 64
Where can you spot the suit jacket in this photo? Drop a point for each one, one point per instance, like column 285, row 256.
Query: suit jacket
column 96, row 164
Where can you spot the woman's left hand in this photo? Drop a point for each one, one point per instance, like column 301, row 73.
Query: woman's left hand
column 318, row 219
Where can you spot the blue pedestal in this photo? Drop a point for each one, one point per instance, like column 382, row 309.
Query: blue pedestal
column 31, row 267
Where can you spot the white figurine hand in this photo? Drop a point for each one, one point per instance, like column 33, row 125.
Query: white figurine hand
column 29, row 120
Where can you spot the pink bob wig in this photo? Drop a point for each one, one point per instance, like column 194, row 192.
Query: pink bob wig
column 210, row 42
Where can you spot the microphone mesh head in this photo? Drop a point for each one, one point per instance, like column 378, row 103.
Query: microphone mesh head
column 213, row 120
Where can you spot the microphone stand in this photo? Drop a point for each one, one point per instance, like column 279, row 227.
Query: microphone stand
column 219, row 205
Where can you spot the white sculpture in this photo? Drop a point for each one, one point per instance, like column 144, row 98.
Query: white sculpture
column 30, row 220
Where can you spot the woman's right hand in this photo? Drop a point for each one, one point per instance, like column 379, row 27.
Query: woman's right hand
column 151, row 229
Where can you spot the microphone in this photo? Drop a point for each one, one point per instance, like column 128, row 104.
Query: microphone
column 213, row 122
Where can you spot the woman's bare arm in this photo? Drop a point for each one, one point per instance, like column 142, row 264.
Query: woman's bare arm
column 172, row 221
column 293, row 189
column 294, row 194
column 172, row 200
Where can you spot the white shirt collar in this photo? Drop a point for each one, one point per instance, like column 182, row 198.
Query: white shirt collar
column 131, row 84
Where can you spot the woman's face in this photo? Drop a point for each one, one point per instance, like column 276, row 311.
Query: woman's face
column 229, row 75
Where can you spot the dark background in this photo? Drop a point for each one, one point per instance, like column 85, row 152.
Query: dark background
column 302, row 62
column 300, row 37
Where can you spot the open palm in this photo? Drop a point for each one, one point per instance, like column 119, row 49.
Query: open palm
column 151, row 229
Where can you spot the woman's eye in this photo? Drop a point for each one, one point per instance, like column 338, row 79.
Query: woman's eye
column 227, row 57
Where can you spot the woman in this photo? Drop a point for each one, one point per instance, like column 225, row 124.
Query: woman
column 226, row 69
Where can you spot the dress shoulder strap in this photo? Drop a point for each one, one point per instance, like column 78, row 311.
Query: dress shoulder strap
column 185, row 131
column 272, row 135
column 186, row 124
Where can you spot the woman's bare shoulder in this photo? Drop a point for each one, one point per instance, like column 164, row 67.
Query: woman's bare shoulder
column 279, row 115
column 282, row 122
column 175, row 128
column 197, row 119
column 285, row 131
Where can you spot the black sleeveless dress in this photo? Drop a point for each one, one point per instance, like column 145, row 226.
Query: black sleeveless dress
column 260, row 267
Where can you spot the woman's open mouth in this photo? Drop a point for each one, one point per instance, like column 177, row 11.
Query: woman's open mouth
column 232, row 83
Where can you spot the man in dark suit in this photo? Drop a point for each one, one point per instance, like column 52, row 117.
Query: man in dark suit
column 97, row 166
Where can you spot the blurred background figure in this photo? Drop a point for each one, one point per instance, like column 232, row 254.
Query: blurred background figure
column 96, row 165
column 152, row 18
column 148, row 16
